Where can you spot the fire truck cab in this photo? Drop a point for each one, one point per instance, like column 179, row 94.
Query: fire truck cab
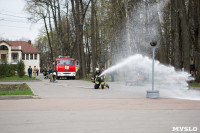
column 66, row 67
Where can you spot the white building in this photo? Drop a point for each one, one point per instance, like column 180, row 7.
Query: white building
column 14, row 51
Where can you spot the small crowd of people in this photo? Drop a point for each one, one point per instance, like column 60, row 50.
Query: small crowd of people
column 47, row 73
column 33, row 71
column 50, row 74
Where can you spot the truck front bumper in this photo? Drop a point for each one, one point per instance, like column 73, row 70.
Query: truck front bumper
column 66, row 74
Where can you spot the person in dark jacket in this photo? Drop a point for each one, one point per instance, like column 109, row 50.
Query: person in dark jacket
column 37, row 71
column 99, row 80
column 96, row 78
column 192, row 68
column 50, row 71
column 30, row 72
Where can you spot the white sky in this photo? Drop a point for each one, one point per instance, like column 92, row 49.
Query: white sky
column 13, row 21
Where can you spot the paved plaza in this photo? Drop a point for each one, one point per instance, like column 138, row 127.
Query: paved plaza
column 73, row 106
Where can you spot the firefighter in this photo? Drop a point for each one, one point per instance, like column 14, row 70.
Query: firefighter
column 98, row 80
column 50, row 71
column 45, row 73
column 34, row 71
column 54, row 77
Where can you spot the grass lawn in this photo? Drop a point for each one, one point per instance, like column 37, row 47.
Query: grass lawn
column 85, row 79
column 25, row 77
column 15, row 89
column 194, row 84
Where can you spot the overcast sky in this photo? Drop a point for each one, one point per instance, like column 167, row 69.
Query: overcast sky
column 13, row 21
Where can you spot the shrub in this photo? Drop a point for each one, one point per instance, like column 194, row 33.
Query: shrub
column 11, row 71
column 20, row 68
column 4, row 70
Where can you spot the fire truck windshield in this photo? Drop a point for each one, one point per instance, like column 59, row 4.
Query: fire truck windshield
column 66, row 62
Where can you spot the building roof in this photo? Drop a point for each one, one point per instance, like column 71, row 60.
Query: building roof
column 26, row 47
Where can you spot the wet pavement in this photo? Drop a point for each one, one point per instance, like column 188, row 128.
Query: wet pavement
column 73, row 106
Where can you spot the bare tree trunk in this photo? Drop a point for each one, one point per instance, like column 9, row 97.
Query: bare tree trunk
column 77, row 26
column 93, row 36
column 176, row 34
column 53, row 8
column 68, row 47
column 97, row 38
column 185, row 37
column 102, row 56
column 172, row 30
column 47, row 32
column 197, row 33
column 82, row 18
column 88, row 62
column 163, row 55
column 51, row 31
column 60, row 28
column 128, row 44
column 79, row 15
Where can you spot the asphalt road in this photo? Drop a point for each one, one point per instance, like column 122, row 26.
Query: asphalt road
column 73, row 106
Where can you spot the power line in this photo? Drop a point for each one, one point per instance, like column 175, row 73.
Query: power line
column 10, row 11
column 17, row 21
column 13, row 15
column 13, row 26
column 17, row 27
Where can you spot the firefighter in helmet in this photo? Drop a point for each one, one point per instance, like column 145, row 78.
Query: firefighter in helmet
column 99, row 80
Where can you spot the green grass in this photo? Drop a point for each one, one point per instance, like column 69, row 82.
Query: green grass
column 16, row 77
column 85, row 79
column 15, row 89
column 194, row 84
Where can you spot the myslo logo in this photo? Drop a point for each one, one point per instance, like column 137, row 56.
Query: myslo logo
column 184, row 129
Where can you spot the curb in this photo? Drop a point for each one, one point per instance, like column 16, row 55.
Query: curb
column 21, row 81
column 15, row 97
column 35, row 95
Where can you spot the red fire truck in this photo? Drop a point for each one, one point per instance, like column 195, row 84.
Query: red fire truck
column 66, row 67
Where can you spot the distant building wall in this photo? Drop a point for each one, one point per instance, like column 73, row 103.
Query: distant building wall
column 31, row 62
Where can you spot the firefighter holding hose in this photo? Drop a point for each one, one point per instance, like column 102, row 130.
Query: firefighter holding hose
column 99, row 80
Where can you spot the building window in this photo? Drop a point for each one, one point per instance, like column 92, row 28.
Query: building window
column 27, row 56
column 23, row 56
column 31, row 56
column 14, row 56
column 3, row 47
column 35, row 56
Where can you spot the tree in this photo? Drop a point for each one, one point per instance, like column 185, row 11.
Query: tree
column 116, row 29
column 102, row 55
column 20, row 69
column 38, row 10
column 93, row 36
column 79, row 15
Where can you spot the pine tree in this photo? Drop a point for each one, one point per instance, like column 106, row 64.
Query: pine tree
column 20, row 69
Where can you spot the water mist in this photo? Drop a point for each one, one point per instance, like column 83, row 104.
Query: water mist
column 171, row 83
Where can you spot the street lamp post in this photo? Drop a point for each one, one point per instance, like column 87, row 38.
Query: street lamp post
column 153, row 93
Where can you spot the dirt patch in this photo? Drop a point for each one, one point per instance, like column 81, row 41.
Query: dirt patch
column 9, row 87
